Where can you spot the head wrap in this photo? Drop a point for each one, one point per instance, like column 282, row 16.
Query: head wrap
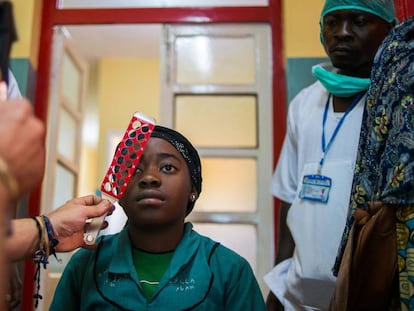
column 187, row 151
column 385, row 158
column 381, row 8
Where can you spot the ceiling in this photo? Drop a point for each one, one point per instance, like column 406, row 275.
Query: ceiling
column 143, row 40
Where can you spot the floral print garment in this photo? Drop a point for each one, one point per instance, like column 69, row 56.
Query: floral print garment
column 384, row 168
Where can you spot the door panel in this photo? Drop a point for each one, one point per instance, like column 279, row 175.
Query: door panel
column 216, row 88
column 64, row 137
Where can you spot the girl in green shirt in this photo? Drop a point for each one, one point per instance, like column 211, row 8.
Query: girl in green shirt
column 158, row 262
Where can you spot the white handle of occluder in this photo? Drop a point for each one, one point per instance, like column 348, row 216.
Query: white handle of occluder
column 94, row 226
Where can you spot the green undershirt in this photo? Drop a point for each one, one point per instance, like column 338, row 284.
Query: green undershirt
column 150, row 268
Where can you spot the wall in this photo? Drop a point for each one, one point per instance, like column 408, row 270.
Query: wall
column 138, row 81
column 302, row 44
column 25, row 50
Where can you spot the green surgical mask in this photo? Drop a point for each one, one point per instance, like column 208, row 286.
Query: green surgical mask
column 338, row 84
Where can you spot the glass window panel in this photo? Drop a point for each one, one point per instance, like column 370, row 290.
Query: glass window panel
column 156, row 3
column 240, row 238
column 71, row 82
column 67, row 136
column 212, row 60
column 65, row 183
column 229, row 185
column 234, row 118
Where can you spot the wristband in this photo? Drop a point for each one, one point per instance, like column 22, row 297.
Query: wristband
column 53, row 242
column 47, row 244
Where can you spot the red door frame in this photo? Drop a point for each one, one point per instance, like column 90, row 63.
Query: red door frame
column 272, row 15
column 51, row 16
column 405, row 8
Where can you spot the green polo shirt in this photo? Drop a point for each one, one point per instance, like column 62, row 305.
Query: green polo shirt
column 202, row 275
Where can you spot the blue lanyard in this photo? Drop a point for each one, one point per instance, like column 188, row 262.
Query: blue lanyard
column 325, row 147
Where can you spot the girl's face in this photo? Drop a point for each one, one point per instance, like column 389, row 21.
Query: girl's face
column 160, row 190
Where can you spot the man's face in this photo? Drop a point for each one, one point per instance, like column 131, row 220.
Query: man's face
column 351, row 38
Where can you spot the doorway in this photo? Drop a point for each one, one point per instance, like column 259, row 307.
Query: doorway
column 112, row 65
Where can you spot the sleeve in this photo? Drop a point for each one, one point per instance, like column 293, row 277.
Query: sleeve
column 13, row 90
column 285, row 177
column 68, row 290
column 243, row 292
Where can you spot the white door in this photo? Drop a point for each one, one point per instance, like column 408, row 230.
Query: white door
column 216, row 90
column 64, row 139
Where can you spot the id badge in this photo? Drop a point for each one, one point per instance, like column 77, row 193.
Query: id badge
column 316, row 188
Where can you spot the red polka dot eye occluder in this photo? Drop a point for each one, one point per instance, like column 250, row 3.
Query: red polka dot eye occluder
column 127, row 155
column 123, row 165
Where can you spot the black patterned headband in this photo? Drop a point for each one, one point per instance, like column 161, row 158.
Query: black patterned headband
column 188, row 152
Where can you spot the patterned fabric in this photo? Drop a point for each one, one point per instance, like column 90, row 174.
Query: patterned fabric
column 384, row 169
column 405, row 255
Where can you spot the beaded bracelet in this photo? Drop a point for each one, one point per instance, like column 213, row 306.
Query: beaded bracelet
column 51, row 236
column 47, row 244
column 39, row 257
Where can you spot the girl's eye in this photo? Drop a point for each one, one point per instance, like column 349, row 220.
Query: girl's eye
column 168, row 168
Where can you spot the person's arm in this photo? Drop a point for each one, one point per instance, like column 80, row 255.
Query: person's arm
column 22, row 146
column 286, row 244
column 24, row 240
column 4, row 264
column 285, row 248
column 68, row 221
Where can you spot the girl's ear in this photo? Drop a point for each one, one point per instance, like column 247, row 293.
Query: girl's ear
column 193, row 195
